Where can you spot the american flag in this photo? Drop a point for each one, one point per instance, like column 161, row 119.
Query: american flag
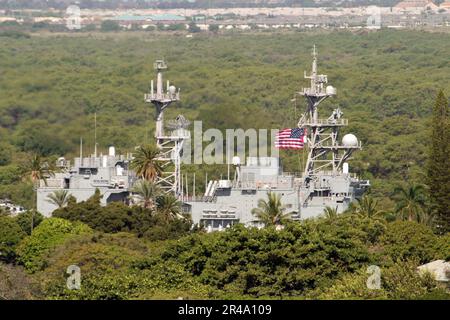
column 291, row 138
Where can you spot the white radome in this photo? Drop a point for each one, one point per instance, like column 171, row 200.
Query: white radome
column 172, row 89
column 330, row 90
column 350, row 140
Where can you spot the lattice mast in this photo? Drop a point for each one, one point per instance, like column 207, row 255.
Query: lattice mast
column 325, row 151
column 171, row 145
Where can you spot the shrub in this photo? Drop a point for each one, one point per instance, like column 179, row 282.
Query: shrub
column 24, row 220
column 400, row 281
column 410, row 240
column 10, row 235
column 33, row 250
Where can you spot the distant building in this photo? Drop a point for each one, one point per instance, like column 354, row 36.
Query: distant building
column 10, row 207
column 445, row 5
column 148, row 19
column 411, row 4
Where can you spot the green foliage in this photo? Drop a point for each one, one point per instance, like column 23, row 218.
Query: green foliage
column 438, row 165
column 168, row 207
column 268, row 262
column 10, row 235
column 411, row 203
column 145, row 162
column 113, row 268
column 33, row 250
column 367, row 207
column 118, row 217
column 26, row 218
column 271, row 211
column 411, row 240
column 317, row 259
column 146, row 193
column 16, row 34
column 400, row 281
column 109, row 25
column 15, row 284
column 213, row 27
column 59, row 198
column 6, row 152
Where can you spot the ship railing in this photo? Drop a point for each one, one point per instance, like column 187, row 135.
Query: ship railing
column 163, row 96
column 199, row 199
column 325, row 122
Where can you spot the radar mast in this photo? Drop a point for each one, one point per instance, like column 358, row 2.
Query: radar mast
column 170, row 145
column 326, row 155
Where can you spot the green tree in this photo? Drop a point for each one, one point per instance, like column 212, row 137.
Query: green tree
column 213, row 28
column 33, row 250
column 168, row 206
column 59, row 198
column 404, row 240
column 37, row 169
column 438, row 164
column 109, row 25
column 330, row 213
column 10, row 236
column 272, row 211
column 410, row 203
column 146, row 164
column 146, row 192
column 367, row 207
column 25, row 219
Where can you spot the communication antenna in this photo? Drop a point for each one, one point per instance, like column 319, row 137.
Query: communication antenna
column 81, row 149
column 95, row 135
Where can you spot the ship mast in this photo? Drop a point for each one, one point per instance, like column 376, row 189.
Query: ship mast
column 325, row 151
column 170, row 145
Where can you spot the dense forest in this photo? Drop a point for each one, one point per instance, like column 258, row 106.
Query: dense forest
column 391, row 87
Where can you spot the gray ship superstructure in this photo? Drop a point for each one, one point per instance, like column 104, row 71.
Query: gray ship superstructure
column 107, row 173
column 325, row 182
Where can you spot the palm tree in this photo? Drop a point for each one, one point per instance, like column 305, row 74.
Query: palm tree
column 146, row 163
column 59, row 198
column 271, row 212
column 411, row 203
column 330, row 213
column 367, row 207
column 169, row 207
column 37, row 169
column 146, row 193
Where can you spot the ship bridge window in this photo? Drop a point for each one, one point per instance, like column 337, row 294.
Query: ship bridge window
column 66, row 183
column 88, row 171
